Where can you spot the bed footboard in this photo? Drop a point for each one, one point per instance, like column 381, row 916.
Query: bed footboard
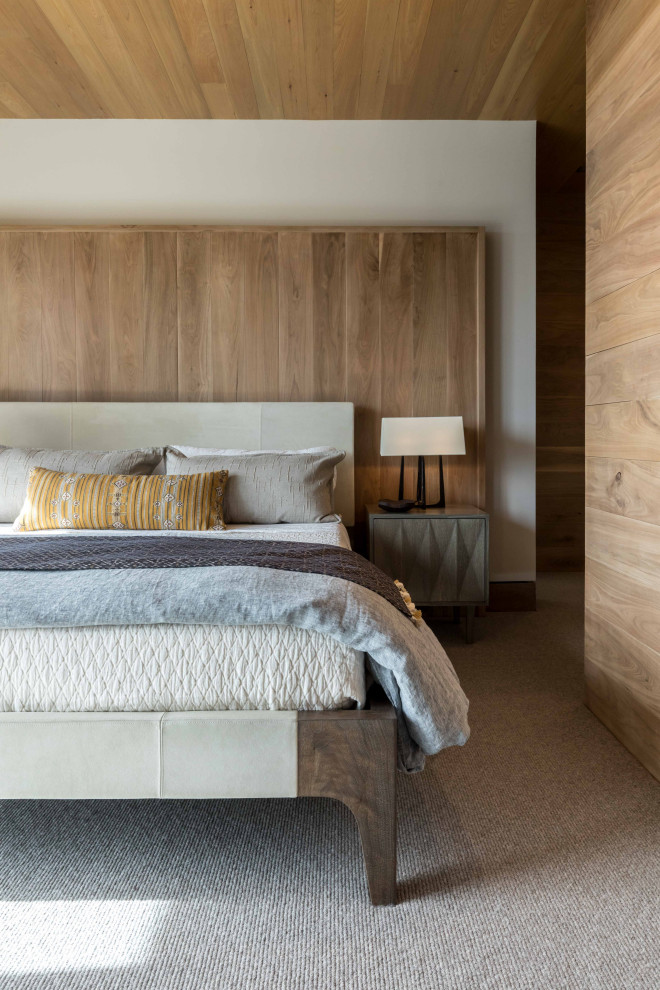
column 351, row 756
column 346, row 755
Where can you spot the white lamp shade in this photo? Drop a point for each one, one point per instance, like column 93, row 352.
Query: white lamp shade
column 422, row 435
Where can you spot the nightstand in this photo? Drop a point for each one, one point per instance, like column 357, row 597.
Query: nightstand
column 440, row 555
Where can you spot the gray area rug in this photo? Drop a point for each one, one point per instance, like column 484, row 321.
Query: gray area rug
column 529, row 859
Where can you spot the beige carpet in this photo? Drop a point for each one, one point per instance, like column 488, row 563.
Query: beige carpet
column 529, row 859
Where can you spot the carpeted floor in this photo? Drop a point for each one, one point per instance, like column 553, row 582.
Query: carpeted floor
column 528, row 859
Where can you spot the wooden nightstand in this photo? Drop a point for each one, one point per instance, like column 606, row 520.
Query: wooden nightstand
column 440, row 555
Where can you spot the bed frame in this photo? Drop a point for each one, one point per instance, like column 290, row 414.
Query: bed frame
column 346, row 755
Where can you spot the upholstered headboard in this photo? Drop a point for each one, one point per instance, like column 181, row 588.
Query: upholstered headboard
column 244, row 425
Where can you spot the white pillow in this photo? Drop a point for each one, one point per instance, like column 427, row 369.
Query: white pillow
column 267, row 486
column 17, row 462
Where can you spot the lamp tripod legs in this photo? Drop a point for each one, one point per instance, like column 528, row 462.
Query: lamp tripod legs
column 421, row 486
column 420, row 501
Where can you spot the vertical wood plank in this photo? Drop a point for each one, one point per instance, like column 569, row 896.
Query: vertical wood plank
column 318, row 29
column 226, row 30
column 329, row 259
column 227, row 312
column 194, row 316
column 159, row 299
column 259, row 366
column 288, row 34
column 350, row 20
column 364, row 368
column 296, row 307
column 376, row 56
column 259, row 43
column 396, row 341
column 24, row 315
column 461, row 474
column 430, row 337
column 387, row 321
column 58, row 317
column 193, row 25
column 126, row 254
column 92, row 287
column 429, row 325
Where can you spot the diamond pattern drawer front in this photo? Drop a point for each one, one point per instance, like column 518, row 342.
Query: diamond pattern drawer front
column 437, row 559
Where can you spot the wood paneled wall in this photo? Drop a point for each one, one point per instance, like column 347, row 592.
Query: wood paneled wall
column 392, row 320
column 560, row 378
column 623, row 373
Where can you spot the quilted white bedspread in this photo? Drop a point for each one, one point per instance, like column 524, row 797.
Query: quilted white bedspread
column 183, row 667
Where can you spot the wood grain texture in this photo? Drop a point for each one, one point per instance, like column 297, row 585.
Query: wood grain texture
column 318, row 33
column 629, row 371
column 58, row 318
column 259, row 364
column 464, row 387
column 628, row 545
column 126, row 325
column 622, row 665
column 227, row 313
column 624, row 429
column 396, row 338
column 160, row 318
column 376, row 56
column 330, row 341
column 230, row 45
column 231, row 314
column 194, row 316
column 430, row 338
column 195, row 29
column 350, row 20
column 631, row 313
column 92, row 299
column 560, row 377
column 627, row 488
column 363, row 369
column 623, row 687
column 351, row 757
column 23, row 311
column 258, row 38
column 296, row 317
column 619, row 598
column 300, row 59
column 409, row 36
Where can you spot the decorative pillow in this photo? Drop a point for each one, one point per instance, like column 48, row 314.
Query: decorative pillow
column 60, row 500
column 16, row 463
column 269, row 486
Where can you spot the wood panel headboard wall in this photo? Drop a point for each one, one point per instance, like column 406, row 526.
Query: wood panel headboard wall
column 391, row 319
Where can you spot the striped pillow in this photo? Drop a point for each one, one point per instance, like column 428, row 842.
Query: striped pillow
column 61, row 500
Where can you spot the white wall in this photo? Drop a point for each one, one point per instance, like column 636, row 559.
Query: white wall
column 323, row 172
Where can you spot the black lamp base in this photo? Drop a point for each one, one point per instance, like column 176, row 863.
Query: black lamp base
column 420, row 502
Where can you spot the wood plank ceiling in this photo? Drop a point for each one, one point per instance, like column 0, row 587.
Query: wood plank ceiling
column 301, row 59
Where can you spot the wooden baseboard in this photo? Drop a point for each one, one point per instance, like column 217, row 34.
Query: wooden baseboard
column 512, row 596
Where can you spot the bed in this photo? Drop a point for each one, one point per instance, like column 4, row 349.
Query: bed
column 110, row 708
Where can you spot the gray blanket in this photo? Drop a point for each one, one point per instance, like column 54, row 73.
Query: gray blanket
column 405, row 657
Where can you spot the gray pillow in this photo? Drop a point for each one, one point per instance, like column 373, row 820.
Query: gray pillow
column 16, row 462
column 267, row 486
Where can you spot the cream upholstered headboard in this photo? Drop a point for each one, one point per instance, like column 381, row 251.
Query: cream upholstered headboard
column 238, row 425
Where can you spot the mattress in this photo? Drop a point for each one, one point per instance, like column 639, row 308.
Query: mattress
column 177, row 667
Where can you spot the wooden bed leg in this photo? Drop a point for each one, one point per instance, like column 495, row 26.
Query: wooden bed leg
column 351, row 756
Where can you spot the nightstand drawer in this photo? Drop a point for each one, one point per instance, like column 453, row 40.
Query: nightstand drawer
column 437, row 559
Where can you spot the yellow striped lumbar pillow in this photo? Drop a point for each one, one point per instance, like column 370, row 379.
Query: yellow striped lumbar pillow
column 61, row 500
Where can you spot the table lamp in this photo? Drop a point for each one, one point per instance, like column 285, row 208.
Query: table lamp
column 421, row 436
